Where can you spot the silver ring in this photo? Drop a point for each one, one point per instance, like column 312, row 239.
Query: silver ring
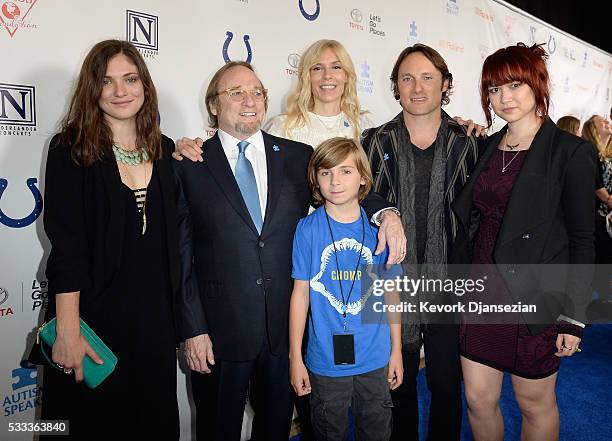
column 59, row 366
column 67, row 371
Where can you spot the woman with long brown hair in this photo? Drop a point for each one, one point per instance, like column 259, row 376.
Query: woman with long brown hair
column 110, row 216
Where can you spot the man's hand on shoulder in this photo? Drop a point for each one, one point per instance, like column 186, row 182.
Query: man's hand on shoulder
column 190, row 148
column 199, row 353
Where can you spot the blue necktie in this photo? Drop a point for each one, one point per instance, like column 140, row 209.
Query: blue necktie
column 245, row 177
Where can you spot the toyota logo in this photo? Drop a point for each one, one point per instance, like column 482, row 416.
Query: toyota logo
column 3, row 295
column 356, row 15
column 293, row 60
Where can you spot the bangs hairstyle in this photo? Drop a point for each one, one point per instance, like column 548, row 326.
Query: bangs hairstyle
column 435, row 58
column 516, row 63
column 569, row 123
column 212, row 92
column 301, row 100
column 331, row 153
column 84, row 126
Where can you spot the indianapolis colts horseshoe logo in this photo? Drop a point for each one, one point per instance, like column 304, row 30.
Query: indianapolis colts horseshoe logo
column 30, row 218
column 552, row 45
column 306, row 15
column 228, row 40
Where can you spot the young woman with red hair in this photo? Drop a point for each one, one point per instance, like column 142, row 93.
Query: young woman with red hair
column 533, row 194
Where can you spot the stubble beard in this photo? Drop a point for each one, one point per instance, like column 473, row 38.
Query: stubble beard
column 247, row 129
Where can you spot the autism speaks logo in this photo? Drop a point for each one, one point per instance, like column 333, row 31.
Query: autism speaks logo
column 364, row 83
column 413, row 36
column 25, row 395
column 13, row 15
column 452, row 7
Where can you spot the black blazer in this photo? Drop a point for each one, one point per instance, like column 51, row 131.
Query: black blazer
column 236, row 284
column 84, row 218
column 548, row 220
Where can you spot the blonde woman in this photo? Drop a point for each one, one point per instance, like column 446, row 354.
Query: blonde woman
column 324, row 103
column 597, row 130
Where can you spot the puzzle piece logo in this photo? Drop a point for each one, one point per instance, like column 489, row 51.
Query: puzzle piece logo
column 365, row 70
column 413, row 36
column 25, row 375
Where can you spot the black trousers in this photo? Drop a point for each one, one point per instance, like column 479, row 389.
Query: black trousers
column 220, row 398
column 444, row 382
column 366, row 394
column 603, row 258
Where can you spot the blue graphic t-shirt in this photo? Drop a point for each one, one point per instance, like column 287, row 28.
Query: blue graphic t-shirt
column 314, row 260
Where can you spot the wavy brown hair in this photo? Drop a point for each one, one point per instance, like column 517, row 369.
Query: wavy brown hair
column 84, row 125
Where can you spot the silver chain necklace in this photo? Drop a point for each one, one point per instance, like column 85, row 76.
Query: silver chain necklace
column 504, row 165
column 335, row 126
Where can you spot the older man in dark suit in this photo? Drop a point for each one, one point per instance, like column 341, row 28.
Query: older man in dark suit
column 238, row 209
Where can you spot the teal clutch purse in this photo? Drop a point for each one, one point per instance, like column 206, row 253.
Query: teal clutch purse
column 93, row 373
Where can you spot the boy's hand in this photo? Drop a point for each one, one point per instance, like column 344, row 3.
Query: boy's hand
column 299, row 378
column 395, row 375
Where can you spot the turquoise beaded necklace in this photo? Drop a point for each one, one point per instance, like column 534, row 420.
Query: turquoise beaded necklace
column 130, row 157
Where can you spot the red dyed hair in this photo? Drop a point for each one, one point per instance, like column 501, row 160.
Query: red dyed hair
column 516, row 63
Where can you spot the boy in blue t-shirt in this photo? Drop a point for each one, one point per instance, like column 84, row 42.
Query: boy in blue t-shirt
column 348, row 363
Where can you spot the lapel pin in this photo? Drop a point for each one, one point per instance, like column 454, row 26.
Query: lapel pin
column 276, row 148
column 386, row 156
column 346, row 124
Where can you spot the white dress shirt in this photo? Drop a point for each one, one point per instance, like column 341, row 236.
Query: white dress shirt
column 256, row 154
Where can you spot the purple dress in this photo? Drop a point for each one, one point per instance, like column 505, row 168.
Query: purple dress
column 508, row 347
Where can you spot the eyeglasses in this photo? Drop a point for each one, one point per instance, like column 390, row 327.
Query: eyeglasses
column 237, row 94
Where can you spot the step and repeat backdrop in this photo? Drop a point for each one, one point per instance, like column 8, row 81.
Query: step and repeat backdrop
column 43, row 42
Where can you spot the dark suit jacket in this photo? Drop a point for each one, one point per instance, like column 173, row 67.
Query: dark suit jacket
column 548, row 220
column 236, row 284
column 84, row 218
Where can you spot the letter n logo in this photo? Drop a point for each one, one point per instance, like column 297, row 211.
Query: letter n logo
column 141, row 30
column 17, row 105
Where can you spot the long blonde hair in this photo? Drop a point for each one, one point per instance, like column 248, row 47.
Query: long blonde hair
column 301, row 100
column 589, row 132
